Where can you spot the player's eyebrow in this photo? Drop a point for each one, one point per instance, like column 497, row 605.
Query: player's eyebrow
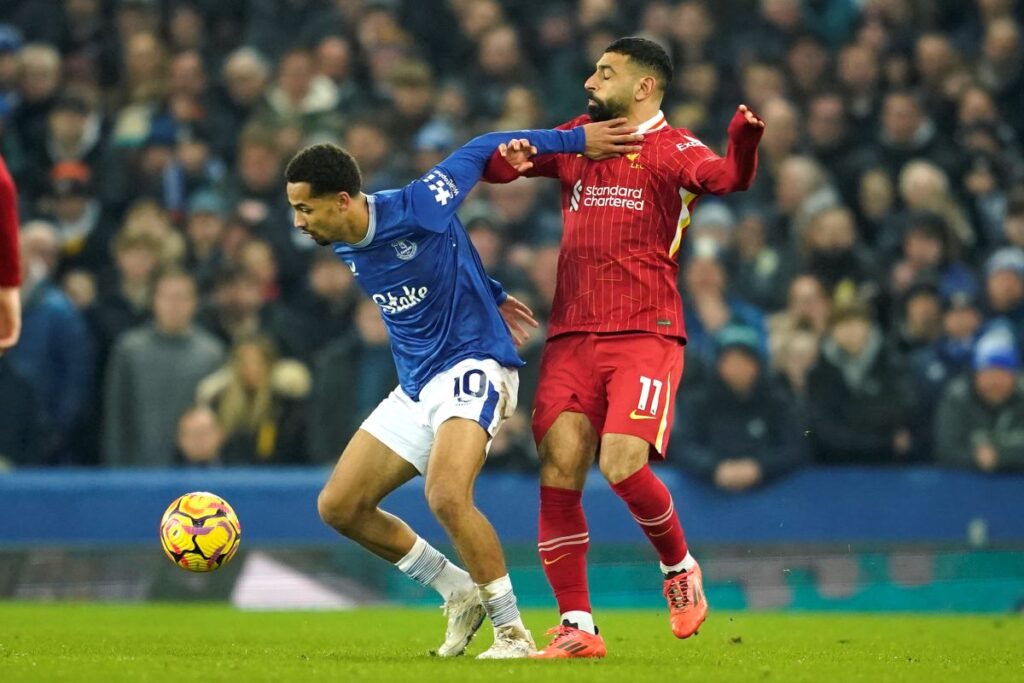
column 604, row 67
column 301, row 205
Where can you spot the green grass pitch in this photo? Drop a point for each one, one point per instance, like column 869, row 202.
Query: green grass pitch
column 84, row 642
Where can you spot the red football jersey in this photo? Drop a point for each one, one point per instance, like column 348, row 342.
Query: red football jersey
column 623, row 223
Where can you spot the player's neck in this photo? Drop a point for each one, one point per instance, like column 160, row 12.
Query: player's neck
column 642, row 114
column 360, row 219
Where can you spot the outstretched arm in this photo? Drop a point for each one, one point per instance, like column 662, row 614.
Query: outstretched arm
column 734, row 172
column 604, row 140
column 437, row 195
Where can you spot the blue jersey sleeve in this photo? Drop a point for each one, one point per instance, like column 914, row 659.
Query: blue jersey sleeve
column 435, row 197
column 498, row 291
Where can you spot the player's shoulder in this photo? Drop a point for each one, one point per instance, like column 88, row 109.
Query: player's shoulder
column 678, row 139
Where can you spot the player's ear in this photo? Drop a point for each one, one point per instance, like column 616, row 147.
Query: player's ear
column 342, row 200
column 645, row 87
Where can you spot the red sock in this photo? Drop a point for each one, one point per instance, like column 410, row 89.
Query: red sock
column 651, row 505
column 563, row 541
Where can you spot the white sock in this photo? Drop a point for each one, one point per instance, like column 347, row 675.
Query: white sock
column 425, row 565
column 685, row 565
column 584, row 620
column 500, row 602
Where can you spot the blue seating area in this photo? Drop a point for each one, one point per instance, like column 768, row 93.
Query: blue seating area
column 278, row 506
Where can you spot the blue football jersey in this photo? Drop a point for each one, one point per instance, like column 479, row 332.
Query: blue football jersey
column 417, row 263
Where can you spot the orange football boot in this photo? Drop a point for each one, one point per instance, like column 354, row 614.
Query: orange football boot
column 687, row 606
column 570, row 642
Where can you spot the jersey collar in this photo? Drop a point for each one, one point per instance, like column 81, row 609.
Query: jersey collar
column 656, row 122
column 371, row 208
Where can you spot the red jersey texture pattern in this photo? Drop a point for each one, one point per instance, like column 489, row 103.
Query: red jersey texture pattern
column 623, row 224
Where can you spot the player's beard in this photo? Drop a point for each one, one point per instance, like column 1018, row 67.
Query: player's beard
column 606, row 110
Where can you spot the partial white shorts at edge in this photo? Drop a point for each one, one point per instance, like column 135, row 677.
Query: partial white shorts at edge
column 478, row 390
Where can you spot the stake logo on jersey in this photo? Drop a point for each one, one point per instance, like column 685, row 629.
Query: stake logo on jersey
column 409, row 297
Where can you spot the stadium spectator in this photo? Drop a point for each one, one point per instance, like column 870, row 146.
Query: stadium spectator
column 739, row 430
column 152, row 377
column 710, row 308
column 1004, row 287
column 55, row 353
column 20, row 431
column 808, row 306
column 858, row 398
column 200, row 437
column 351, row 376
column 260, row 403
column 980, row 422
column 833, row 254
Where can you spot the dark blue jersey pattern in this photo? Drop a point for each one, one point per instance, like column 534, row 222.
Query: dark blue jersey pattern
column 417, row 263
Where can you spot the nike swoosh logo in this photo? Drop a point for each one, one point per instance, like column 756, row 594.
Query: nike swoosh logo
column 661, row 534
column 634, row 416
column 560, row 557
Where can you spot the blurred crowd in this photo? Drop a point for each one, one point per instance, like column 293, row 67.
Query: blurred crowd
column 862, row 303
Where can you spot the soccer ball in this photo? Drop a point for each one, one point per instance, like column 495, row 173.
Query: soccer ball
column 200, row 532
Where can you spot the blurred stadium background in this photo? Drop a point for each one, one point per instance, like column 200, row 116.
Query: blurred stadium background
column 875, row 273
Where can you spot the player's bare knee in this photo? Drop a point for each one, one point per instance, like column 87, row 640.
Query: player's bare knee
column 448, row 503
column 338, row 512
column 563, row 473
column 619, row 466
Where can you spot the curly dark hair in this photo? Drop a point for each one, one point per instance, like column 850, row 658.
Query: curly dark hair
column 648, row 54
column 327, row 168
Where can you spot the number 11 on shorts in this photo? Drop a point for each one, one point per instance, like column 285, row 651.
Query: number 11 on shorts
column 645, row 394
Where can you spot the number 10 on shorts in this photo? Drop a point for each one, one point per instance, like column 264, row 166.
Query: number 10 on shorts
column 646, row 384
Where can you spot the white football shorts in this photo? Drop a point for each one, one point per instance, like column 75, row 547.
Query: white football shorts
column 478, row 390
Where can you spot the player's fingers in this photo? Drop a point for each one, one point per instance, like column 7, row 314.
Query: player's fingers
column 524, row 167
column 503, row 149
column 523, row 308
column 526, row 316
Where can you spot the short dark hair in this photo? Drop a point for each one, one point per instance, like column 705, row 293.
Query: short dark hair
column 647, row 54
column 327, row 168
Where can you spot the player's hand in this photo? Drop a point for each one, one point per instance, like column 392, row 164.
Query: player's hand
column 517, row 153
column 745, row 125
column 517, row 314
column 608, row 139
column 10, row 317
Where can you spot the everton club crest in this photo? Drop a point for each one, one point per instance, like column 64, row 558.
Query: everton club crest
column 405, row 249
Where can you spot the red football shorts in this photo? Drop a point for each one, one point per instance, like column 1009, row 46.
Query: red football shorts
column 624, row 383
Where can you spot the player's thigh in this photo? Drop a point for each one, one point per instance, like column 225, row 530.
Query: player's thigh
column 568, row 383
column 460, row 447
column 389, row 449
column 567, row 451
column 643, row 373
column 466, row 406
column 365, row 474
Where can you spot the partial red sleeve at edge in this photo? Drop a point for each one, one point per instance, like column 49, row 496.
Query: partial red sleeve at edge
column 498, row 170
column 10, row 259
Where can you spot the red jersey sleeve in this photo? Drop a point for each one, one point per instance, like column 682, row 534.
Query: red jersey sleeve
column 544, row 165
column 10, row 261
column 704, row 172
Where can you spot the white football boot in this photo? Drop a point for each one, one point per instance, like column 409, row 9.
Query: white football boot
column 465, row 615
column 511, row 641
